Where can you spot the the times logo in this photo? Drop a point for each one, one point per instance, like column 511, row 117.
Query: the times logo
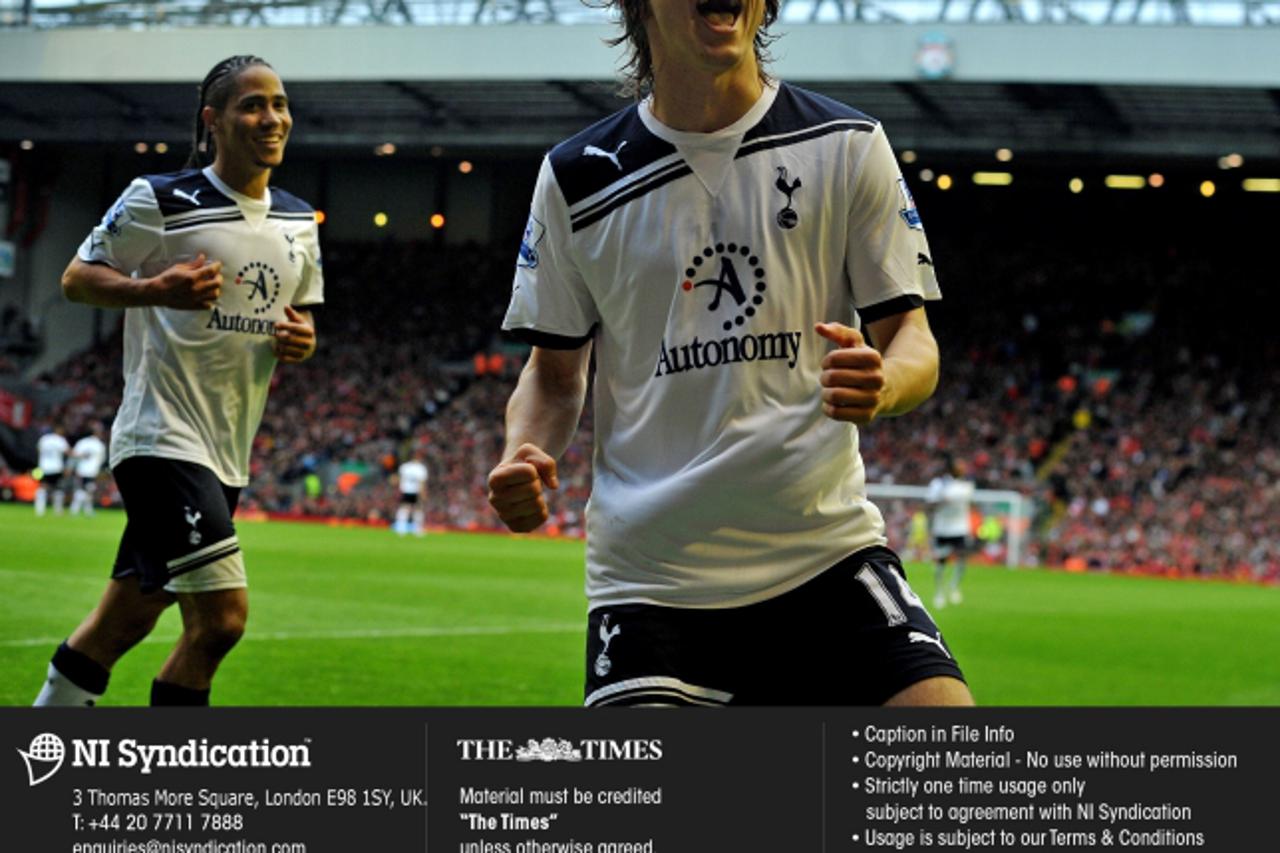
column 552, row 749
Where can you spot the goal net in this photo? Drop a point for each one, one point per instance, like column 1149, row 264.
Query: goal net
column 1000, row 522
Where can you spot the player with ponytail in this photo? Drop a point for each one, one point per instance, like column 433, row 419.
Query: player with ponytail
column 217, row 272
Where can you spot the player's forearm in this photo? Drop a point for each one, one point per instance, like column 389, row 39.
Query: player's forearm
column 910, row 369
column 105, row 287
column 545, row 408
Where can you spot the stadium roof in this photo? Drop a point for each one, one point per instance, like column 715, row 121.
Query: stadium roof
column 1085, row 90
column 532, row 115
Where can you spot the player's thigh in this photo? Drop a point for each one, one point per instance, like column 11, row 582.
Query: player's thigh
column 639, row 654
column 218, row 615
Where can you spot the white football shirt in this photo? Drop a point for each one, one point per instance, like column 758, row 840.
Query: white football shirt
column 952, row 497
column 196, row 381
column 698, row 264
column 413, row 476
column 51, row 451
column 90, row 453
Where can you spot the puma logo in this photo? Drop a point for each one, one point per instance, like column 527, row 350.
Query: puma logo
column 919, row 637
column 611, row 156
column 191, row 197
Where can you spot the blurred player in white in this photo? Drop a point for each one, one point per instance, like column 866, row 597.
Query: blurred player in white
column 217, row 271
column 51, row 453
column 950, row 497
column 412, row 479
column 709, row 245
column 90, row 453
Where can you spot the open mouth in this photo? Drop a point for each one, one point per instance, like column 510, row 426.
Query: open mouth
column 720, row 13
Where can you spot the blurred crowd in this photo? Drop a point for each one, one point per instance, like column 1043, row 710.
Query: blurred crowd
column 1130, row 386
column 1145, row 427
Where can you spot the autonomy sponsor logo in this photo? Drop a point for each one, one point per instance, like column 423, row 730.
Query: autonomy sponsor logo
column 736, row 277
column 718, row 263
column 732, row 349
column 263, row 283
column 238, row 323
column 43, row 757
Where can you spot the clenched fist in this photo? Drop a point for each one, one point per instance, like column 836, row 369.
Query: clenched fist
column 193, row 285
column 852, row 376
column 516, row 488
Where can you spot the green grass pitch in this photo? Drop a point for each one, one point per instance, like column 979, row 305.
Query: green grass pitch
column 357, row 616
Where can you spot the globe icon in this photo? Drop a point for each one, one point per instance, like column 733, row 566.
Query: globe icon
column 47, row 747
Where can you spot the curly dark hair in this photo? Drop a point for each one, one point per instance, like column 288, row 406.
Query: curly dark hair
column 637, row 71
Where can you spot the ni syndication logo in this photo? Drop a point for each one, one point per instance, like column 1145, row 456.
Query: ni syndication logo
column 47, row 752
column 43, row 757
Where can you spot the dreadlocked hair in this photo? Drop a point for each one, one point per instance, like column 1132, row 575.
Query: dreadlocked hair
column 215, row 90
column 637, row 70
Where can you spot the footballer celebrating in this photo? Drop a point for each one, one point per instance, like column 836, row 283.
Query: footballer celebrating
column 217, row 273
column 715, row 246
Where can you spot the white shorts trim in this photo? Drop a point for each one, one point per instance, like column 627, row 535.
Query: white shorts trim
column 230, row 543
column 227, row 573
column 658, row 685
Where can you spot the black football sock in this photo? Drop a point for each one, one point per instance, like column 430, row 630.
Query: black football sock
column 168, row 693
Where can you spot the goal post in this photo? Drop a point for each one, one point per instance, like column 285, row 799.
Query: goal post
column 1005, row 512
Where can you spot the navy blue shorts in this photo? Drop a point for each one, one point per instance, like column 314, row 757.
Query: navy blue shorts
column 948, row 546
column 854, row 635
column 179, row 519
